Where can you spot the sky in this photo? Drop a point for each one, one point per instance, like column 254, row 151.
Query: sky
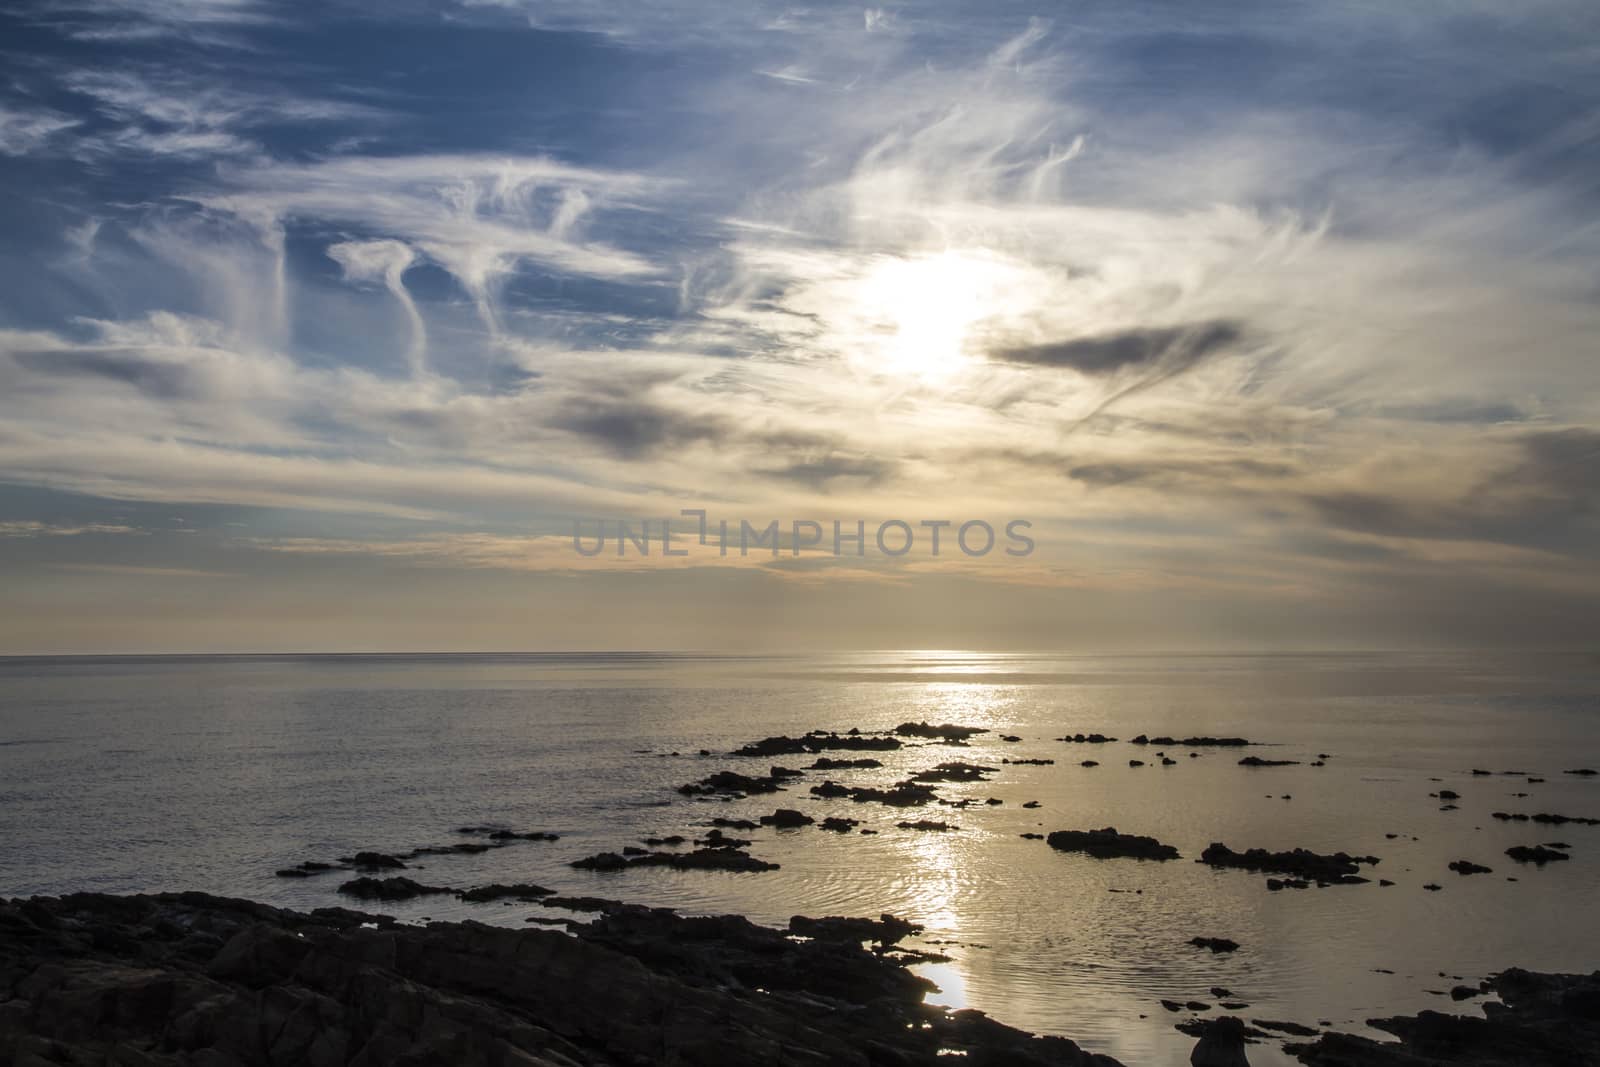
column 324, row 327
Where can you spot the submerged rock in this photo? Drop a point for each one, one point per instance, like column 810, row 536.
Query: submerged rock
column 1257, row 761
column 1215, row 944
column 1107, row 843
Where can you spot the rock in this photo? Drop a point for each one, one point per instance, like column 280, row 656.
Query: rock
column 1221, row 1043
column 1107, row 843
column 838, row 825
column 1215, row 944
column 1586, row 772
column 1030, row 762
column 1010, row 738
column 1032, row 837
column 109, row 980
column 1277, row 884
column 1468, row 867
column 1465, row 992
column 1193, row 742
column 373, row 861
column 825, row 763
column 1089, row 763
column 787, row 819
column 1136, row 763
column 1551, row 820
column 497, row 891
column 701, row 859
column 1544, row 1020
column 1257, row 761
column 884, row 930
column 946, row 732
column 1087, row 739
column 732, row 783
column 732, row 824
column 899, row 795
column 954, row 772
column 1031, row 804
column 1536, row 854
column 1447, row 794
column 1294, row 1029
column 1433, row 887
column 305, row 869
column 396, row 888
column 717, row 839
column 926, row 824
column 817, row 741
column 1337, row 869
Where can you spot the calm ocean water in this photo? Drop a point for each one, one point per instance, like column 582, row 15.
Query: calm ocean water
column 143, row 774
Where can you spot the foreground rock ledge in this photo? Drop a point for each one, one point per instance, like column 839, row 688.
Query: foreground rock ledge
column 195, row 979
column 1545, row 1020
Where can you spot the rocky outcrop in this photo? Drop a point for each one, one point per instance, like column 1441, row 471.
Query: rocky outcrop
column 1535, row 854
column 189, row 979
column 1337, row 869
column 949, row 732
column 701, row 859
column 954, row 772
column 1544, row 1020
column 1193, row 742
column 818, row 741
column 899, row 795
column 1109, row 844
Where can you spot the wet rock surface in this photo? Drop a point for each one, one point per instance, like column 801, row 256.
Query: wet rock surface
column 1337, row 869
column 1543, row 1020
column 190, row 979
column 1107, row 843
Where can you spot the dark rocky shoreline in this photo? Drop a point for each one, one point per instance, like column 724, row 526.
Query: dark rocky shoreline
column 192, row 979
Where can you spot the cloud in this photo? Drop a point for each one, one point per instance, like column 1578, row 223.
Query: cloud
column 1170, row 349
column 27, row 131
column 46, row 529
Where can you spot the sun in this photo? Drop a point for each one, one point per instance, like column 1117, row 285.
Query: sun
column 919, row 311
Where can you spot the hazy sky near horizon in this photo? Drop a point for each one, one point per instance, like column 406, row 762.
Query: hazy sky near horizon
column 321, row 324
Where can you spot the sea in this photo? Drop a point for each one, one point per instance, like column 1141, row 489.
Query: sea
column 145, row 774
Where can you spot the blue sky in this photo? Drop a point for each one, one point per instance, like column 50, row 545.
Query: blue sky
column 321, row 324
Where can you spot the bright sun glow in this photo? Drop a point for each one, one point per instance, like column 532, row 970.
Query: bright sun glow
column 919, row 312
